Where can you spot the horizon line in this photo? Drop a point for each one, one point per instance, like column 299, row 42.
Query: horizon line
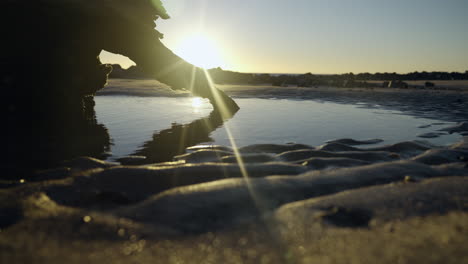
column 286, row 73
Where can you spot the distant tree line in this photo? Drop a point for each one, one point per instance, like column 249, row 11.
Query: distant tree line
column 133, row 72
column 412, row 76
column 395, row 80
column 308, row 79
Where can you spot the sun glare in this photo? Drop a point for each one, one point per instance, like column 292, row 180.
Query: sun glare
column 200, row 50
column 197, row 102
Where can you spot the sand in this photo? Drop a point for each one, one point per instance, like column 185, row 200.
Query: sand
column 342, row 202
column 149, row 87
column 303, row 204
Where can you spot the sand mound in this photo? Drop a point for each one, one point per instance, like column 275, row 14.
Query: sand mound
column 286, row 203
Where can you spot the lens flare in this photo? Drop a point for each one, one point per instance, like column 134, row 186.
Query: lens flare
column 225, row 114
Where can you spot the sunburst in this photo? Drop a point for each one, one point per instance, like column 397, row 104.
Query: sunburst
column 200, row 50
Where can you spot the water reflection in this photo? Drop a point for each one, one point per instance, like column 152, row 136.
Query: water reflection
column 259, row 121
column 49, row 137
column 45, row 137
column 173, row 141
column 81, row 135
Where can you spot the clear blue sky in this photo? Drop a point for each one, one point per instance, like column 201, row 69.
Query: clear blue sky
column 327, row 36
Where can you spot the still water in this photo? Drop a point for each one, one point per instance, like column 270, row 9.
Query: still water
column 133, row 121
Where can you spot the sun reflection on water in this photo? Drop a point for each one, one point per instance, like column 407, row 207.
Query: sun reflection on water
column 197, row 102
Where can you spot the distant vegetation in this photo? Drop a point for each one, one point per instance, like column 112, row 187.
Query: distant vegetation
column 133, row 72
column 392, row 80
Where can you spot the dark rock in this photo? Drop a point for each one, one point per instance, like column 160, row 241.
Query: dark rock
column 133, row 72
column 49, row 83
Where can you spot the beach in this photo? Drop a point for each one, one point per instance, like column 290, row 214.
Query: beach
column 447, row 104
column 344, row 201
column 277, row 132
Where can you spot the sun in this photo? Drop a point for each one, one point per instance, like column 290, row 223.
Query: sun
column 200, row 50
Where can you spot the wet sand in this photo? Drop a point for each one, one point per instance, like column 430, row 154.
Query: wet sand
column 447, row 104
column 150, row 87
column 341, row 202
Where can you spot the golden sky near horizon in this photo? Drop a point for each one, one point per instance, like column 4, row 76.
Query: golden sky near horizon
column 319, row 36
